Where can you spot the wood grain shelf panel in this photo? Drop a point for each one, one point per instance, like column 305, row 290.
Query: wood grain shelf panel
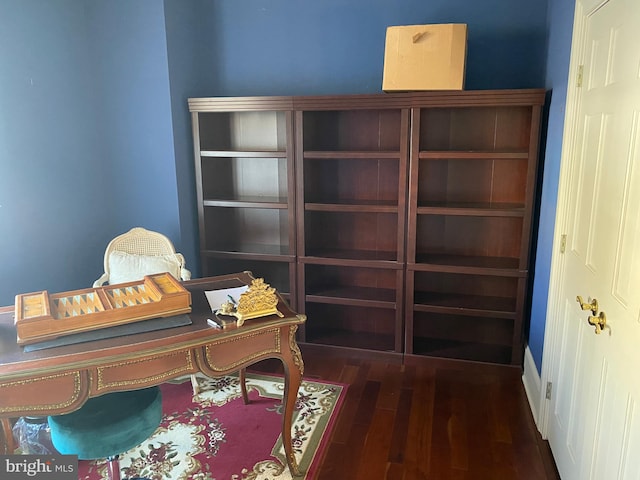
column 351, row 154
column 243, row 153
column 472, row 154
column 355, row 296
column 248, row 202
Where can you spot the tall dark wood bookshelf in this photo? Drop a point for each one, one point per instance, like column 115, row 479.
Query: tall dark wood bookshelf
column 399, row 223
column 472, row 179
column 245, row 188
column 351, row 163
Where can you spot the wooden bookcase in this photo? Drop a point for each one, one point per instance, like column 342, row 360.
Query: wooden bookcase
column 351, row 164
column 397, row 222
column 245, row 188
column 471, row 196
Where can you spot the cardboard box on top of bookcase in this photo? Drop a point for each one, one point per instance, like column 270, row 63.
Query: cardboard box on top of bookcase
column 425, row 57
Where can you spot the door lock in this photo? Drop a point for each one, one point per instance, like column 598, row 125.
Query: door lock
column 593, row 306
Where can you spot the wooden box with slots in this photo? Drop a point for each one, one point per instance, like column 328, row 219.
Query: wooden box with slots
column 40, row 316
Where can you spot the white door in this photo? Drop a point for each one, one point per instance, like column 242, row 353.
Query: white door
column 592, row 420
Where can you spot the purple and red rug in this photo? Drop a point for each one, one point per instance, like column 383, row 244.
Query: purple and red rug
column 215, row 436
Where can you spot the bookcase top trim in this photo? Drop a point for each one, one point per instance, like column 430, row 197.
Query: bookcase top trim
column 440, row 98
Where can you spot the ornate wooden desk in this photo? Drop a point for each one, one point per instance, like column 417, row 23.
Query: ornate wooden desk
column 59, row 380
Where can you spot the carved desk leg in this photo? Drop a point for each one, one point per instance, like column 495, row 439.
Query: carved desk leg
column 8, row 436
column 293, row 371
column 243, row 385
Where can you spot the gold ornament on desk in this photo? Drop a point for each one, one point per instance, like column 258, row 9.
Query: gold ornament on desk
column 259, row 300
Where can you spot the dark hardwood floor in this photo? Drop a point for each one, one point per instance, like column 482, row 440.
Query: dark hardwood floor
column 434, row 420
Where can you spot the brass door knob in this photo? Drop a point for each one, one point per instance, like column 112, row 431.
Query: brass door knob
column 599, row 322
column 593, row 306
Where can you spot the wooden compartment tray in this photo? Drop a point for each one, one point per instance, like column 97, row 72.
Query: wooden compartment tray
column 40, row 316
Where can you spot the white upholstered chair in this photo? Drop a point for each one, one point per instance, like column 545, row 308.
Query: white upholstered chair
column 139, row 252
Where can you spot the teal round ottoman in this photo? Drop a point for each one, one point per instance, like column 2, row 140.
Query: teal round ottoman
column 106, row 426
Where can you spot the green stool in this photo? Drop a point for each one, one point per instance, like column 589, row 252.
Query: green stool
column 106, row 426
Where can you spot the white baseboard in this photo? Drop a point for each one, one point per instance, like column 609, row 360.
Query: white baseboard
column 531, row 382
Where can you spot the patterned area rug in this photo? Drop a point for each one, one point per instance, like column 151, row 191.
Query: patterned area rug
column 215, row 436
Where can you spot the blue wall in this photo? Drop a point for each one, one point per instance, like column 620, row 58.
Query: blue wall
column 87, row 146
column 190, row 31
column 52, row 169
column 337, row 46
column 131, row 83
column 560, row 31
column 95, row 131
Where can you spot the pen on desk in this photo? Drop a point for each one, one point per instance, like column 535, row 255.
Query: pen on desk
column 233, row 300
column 214, row 324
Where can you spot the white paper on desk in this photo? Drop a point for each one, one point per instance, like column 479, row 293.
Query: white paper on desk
column 217, row 297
